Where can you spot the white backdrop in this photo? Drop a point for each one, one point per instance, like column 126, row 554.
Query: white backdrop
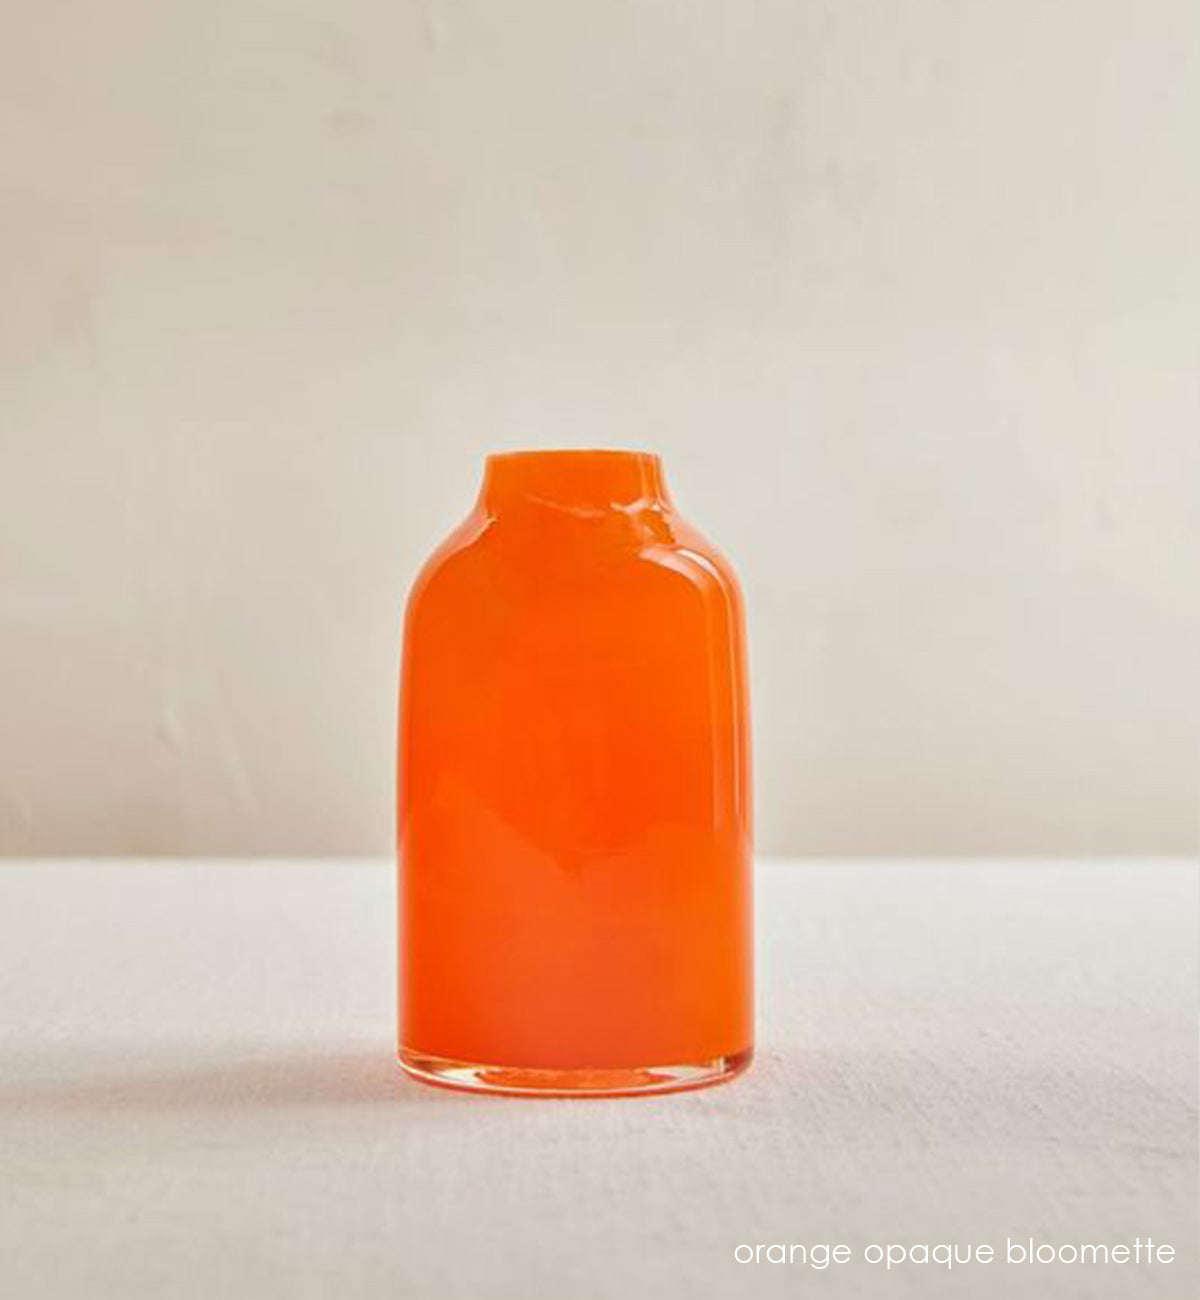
column 905, row 294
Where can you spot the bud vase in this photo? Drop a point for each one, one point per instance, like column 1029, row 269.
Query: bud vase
column 574, row 815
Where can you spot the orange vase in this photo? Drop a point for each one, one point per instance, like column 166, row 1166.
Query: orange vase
column 574, row 792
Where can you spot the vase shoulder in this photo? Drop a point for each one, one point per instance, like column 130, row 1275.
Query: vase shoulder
column 485, row 554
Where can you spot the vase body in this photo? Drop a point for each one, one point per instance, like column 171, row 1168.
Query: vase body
column 574, row 817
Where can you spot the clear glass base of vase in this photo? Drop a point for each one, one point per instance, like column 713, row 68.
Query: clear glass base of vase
column 512, row 1081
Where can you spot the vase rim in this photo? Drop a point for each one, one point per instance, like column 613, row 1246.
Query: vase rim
column 574, row 477
column 637, row 453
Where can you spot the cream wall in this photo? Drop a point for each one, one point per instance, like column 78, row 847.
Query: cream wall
column 906, row 293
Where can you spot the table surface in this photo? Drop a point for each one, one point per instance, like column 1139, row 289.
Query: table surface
column 198, row 1097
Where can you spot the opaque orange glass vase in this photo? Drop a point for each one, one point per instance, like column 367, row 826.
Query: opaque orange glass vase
column 574, row 791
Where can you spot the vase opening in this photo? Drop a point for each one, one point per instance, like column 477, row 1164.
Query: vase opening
column 582, row 479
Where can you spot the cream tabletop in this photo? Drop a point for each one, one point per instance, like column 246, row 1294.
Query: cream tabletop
column 198, row 1097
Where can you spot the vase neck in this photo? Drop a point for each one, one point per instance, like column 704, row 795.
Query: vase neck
column 586, row 481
